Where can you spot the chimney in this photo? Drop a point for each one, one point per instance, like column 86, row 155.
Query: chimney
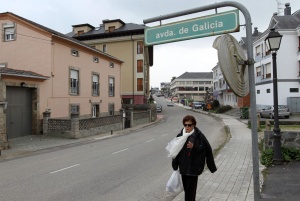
column 287, row 10
column 255, row 33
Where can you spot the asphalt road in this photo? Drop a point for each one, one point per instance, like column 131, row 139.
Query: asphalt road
column 127, row 167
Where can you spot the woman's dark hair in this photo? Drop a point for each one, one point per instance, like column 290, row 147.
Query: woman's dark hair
column 189, row 118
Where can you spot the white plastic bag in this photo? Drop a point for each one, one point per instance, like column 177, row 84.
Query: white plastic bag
column 174, row 184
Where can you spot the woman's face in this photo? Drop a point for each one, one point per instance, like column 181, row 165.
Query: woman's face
column 189, row 126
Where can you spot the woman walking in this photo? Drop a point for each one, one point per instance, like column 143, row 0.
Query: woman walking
column 191, row 159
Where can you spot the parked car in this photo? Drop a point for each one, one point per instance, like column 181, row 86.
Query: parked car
column 198, row 105
column 170, row 104
column 158, row 108
column 268, row 112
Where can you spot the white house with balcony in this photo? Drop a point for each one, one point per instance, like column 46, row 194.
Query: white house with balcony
column 288, row 62
column 192, row 85
column 221, row 90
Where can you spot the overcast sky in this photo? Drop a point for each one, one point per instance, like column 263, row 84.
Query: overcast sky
column 171, row 59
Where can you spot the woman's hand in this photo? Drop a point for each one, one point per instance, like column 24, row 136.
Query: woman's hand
column 190, row 145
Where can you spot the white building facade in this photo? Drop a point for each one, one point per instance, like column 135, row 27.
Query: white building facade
column 221, row 90
column 288, row 61
column 192, row 86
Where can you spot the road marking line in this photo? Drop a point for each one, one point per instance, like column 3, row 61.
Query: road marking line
column 120, row 151
column 149, row 140
column 165, row 134
column 64, row 168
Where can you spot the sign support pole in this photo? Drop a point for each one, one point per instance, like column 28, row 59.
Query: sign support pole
column 243, row 9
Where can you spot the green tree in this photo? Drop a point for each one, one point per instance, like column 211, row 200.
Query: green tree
column 215, row 104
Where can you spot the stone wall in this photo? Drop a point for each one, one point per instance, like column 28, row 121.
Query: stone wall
column 3, row 136
column 288, row 139
column 77, row 127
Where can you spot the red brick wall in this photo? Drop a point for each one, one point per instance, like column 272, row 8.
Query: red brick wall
column 244, row 101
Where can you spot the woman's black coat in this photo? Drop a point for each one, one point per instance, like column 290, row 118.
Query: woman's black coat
column 192, row 161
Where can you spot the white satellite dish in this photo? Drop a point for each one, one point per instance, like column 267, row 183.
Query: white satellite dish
column 232, row 61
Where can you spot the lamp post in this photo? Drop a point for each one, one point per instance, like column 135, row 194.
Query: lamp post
column 273, row 41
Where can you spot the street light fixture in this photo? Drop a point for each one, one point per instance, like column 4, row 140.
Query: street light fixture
column 274, row 40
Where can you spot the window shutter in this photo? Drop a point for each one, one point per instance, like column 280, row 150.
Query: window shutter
column 95, row 78
column 74, row 74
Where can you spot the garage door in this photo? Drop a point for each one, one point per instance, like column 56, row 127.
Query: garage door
column 19, row 111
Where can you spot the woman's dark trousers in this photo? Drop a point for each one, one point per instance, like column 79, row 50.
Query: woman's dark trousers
column 190, row 187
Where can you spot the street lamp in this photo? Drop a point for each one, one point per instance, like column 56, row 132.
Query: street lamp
column 273, row 41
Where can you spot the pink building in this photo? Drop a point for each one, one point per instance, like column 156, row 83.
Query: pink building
column 44, row 70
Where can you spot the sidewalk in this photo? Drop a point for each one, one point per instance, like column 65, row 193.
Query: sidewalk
column 233, row 179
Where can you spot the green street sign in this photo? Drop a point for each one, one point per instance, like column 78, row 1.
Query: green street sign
column 210, row 25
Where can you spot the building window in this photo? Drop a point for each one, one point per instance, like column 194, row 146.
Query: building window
column 111, row 29
column 104, row 48
column 74, row 109
column 299, row 68
column 74, row 53
column 257, row 50
column 95, row 85
column 74, row 81
column 268, row 70
column 80, row 32
column 9, row 34
column 9, row 31
column 201, row 88
column 111, row 86
column 111, row 65
column 294, row 90
column 267, row 50
column 258, row 91
column 140, row 86
column 111, row 108
column 258, row 71
column 96, row 59
column 139, row 66
column 268, row 75
column 140, row 47
column 268, row 91
column 95, row 110
column 3, row 65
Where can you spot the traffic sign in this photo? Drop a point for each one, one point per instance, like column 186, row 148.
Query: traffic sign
column 210, row 25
